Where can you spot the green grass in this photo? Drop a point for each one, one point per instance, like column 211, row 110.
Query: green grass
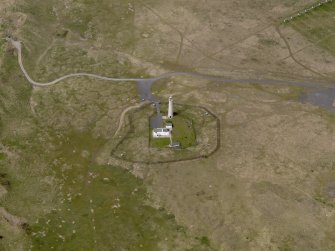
column 47, row 166
column 191, row 127
column 205, row 244
column 318, row 26
column 204, row 240
column 291, row 92
column 120, row 217
column 2, row 156
column 92, row 207
column 101, row 207
column 2, row 45
column 183, row 130
column 159, row 143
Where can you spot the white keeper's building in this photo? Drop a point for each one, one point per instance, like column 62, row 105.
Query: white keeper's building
column 161, row 133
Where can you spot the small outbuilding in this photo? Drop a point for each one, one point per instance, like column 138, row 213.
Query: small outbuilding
column 169, row 126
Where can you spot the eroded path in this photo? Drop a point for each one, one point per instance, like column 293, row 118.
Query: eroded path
column 123, row 114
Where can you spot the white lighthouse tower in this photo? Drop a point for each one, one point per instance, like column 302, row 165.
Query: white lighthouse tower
column 170, row 110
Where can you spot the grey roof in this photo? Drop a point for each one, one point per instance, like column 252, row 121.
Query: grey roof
column 156, row 121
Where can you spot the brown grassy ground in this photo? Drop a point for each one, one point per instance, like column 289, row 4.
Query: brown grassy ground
column 266, row 189
column 271, row 185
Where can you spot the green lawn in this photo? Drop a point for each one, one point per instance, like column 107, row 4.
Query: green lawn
column 183, row 132
column 159, row 143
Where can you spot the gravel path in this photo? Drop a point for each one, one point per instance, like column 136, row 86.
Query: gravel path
column 144, row 84
column 17, row 45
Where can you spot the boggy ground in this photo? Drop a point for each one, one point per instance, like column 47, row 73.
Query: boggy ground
column 271, row 185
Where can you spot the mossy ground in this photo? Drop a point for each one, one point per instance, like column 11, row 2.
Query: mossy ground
column 49, row 137
column 318, row 26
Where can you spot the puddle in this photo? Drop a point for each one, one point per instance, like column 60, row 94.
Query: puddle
column 315, row 93
column 322, row 98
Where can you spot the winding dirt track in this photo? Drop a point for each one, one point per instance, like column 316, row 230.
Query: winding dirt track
column 123, row 114
column 17, row 45
column 292, row 54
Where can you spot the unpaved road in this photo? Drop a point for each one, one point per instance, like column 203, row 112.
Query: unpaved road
column 144, row 85
column 17, row 45
column 123, row 114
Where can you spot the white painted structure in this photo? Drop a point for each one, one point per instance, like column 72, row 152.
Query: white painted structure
column 170, row 111
column 161, row 133
column 169, row 126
